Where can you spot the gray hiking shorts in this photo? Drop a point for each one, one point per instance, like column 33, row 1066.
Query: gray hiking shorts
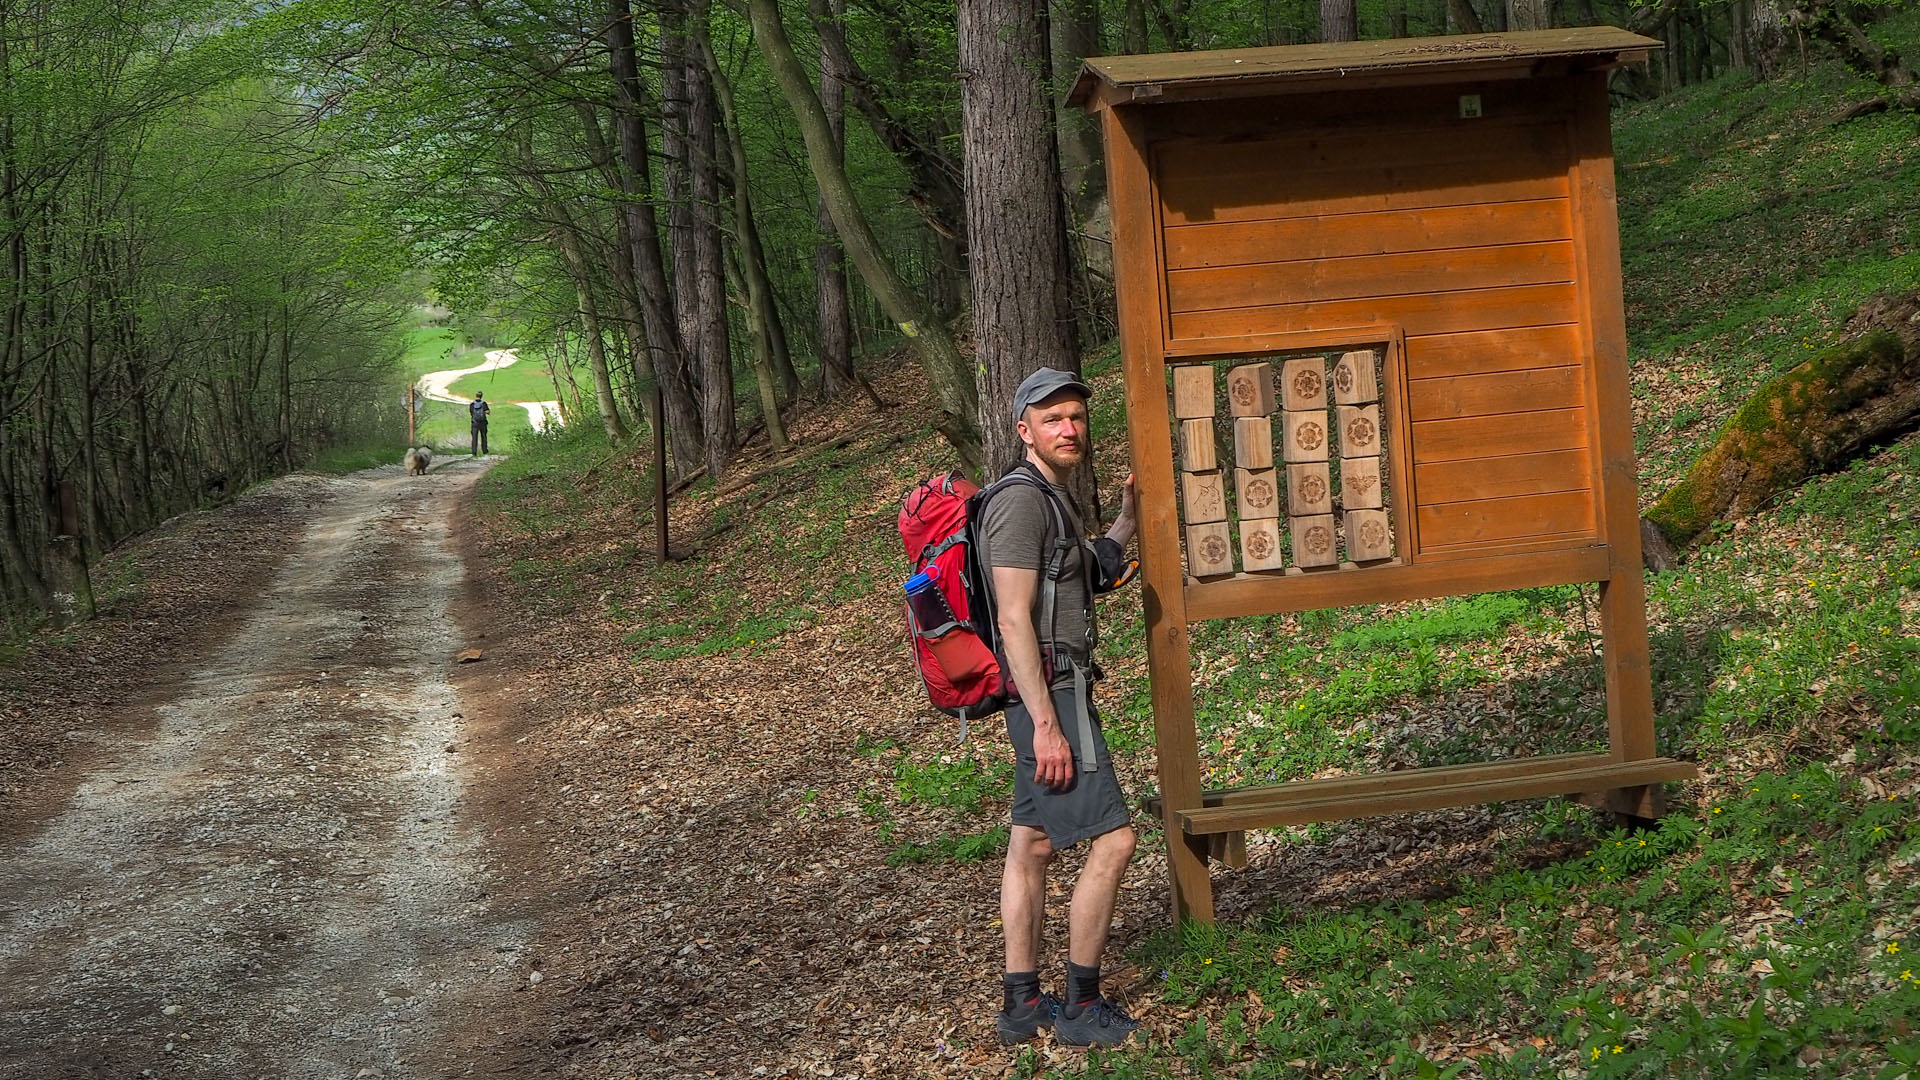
column 1090, row 806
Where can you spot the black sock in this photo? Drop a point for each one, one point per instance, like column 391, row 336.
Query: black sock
column 1018, row 989
column 1083, row 986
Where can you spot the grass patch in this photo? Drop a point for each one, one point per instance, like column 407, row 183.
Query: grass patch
column 340, row 460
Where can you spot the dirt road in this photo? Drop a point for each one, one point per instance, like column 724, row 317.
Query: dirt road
column 281, row 881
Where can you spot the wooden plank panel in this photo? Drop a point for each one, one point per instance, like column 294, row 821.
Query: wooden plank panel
column 1528, row 390
column 1261, row 595
column 1369, row 275
column 1506, row 349
column 1515, row 433
column 1190, row 247
column 1292, row 159
column 1487, row 521
column 1366, row 189
column 1427, row 313
column 1468, row 479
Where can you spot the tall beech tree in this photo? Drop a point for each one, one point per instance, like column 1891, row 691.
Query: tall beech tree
column 947, row 373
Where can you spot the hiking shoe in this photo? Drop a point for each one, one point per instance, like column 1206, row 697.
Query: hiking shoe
column 1019, row 1025
column 1100, row 1023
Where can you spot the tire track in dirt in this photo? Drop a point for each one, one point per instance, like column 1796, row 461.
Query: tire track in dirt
column 277, row 883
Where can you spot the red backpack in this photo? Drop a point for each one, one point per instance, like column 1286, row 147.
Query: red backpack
column 950, row 617
column 949, row 614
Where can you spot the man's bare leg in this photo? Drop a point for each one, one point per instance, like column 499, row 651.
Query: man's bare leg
column 1023, row 895
column 1091, row 916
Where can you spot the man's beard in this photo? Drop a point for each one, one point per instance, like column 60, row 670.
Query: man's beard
column 1062, row 464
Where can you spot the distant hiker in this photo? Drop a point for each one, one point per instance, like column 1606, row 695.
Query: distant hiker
column 1064, row 788
column 477, row 411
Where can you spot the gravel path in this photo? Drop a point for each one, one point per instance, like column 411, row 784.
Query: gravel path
column 277, row 882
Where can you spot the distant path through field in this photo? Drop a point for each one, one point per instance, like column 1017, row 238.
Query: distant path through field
column 434, row 384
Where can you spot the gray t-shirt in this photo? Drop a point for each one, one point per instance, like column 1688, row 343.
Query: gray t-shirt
column 1017, row 531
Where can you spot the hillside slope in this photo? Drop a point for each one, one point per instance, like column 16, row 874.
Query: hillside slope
column 786, row 862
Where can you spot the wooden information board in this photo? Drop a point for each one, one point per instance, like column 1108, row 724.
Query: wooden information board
column 1374, row 346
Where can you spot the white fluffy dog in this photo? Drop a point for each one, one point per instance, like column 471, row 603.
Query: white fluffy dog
column 417, row 459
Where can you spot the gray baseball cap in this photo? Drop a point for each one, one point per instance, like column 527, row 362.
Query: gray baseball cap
column 1043, row 384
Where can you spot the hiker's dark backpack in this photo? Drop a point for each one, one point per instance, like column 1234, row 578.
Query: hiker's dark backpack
column 950, row 617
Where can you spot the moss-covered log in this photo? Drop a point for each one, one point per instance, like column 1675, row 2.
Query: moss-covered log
column 1807, row 420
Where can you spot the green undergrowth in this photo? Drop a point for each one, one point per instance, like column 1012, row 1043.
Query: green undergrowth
column 340, row 460
column 1751, row 224
column 1765, row 928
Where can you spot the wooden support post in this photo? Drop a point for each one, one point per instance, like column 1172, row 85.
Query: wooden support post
column 413, row 419
column 1623, row 596
column 1163, row 585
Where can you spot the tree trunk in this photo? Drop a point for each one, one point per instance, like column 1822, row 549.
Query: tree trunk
column 1022, row 283
column 833, row 314
column 1529, row 15
column 1339, row 20
column 1073, row 31
column 1133, row 27
column 947, row 373
column 1812, row 418
column 1829, row 22
column 703, row 301
column 1397, row 18
column 581, row 272
column 626, row 284
column 681, row 407
column 1464, row 18
column 758, row 304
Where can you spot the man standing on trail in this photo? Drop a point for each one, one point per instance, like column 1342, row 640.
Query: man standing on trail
column 1064, row 788
column 477, row 411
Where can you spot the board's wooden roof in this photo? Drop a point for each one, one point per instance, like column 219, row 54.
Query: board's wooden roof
column 1246, row 72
